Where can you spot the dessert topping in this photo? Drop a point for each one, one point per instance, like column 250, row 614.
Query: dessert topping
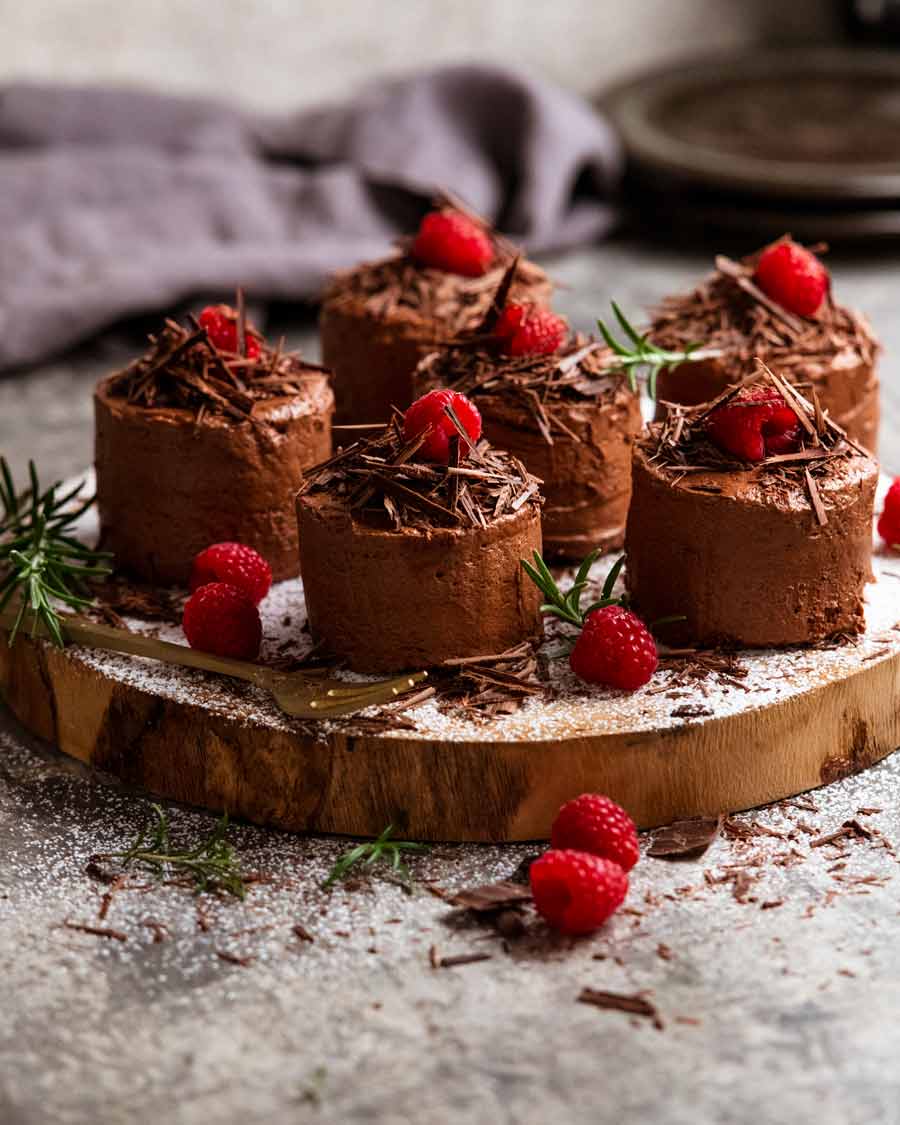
column 614, row 647
column 889, row 520
column 455, row 242
column 222, row 329
column 221, row 619
column 439, row 416
column 576, row 892
column 530, row 330
column 637, row 355
column 793, row 276
column 236, row 564
column 754, row 424
column 594, row 823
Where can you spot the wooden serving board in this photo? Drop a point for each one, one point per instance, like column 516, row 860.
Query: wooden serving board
column 790, row 721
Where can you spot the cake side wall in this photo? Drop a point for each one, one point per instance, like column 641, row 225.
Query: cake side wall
column 745, row 572
column 388, row 601
column 167, row 487
column 586, row 483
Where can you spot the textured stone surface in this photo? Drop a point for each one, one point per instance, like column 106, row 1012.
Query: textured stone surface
column 794, row 991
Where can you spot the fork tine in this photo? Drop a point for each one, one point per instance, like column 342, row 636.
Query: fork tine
column 398, row 685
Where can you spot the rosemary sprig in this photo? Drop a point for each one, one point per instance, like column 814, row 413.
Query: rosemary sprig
column 212, row 864
column 40, row 561
column 376, row 851
column 568, row 606
column 637, row 353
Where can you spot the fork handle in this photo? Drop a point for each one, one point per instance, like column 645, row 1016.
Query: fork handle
column 92, row 635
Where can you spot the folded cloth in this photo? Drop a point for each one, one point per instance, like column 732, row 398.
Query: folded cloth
column 117, row 202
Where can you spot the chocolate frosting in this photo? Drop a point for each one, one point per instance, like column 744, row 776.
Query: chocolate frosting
column 379, row 320
column 407, row 563
column 386, row 600
column 740, row 553
column 834, row 352
column 569, row 420
column 169, row 483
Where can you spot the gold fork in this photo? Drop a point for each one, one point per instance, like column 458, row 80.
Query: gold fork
column 307, row 694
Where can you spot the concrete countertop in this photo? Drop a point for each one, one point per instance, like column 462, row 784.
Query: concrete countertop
column 773, row 961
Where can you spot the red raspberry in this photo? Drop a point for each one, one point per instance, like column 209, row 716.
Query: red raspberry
column 529, row 330
column 595, row 824
column 220, row 323
column 889, row 520
column 221, row 619
column 235, row 564
column 451, row 241
column 754, row 424
column 614, row 648
column 792, row 276
column 575, row 891
column 428, row 411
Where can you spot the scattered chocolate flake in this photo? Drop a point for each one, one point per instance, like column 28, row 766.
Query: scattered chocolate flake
column 438, row 962
column 233, row 958
column 491, row 896
column 97, row 931
column 664, row 952
column 685, row 839
column 159, row 930
column 771, row 904
column 691, row 711
column 850, row 828
column 635, row 1004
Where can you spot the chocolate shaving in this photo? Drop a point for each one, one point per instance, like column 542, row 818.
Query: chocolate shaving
column 96, row 931
column 491, row 896
column 182, row 369
column 634, row 1004
column 584, row 371
column 729, row 312
column 438, row 962
column 423, row 495
column 685, row 839
column 815, row 499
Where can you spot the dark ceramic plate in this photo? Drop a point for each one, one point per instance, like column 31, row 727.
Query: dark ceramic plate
column 820, row 126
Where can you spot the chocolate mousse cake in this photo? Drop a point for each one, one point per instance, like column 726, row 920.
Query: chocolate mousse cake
column 751, row 518
column 830, row 354
column 407, row 563
column 379, row 319
column 570, row 417
column 199, row 442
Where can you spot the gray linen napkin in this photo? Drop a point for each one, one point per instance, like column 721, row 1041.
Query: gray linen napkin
column 117, row 202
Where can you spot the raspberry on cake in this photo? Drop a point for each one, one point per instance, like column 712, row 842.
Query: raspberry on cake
column 529, row 330
column 430, row 415
column 793, row 276
column 754, row 552
column 407, row 563
column 569, row 417
column 236, row 564
column 196, row 443
column 763, row 307
column 379, row 319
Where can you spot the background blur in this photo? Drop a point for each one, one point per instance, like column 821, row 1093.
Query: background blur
column 280, row 53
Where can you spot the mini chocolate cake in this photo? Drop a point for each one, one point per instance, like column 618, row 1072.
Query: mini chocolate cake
column 832, row 353
column 407, row 564
column 759, row 555
column 569, row 418
column 196, row 445
column 379, row 319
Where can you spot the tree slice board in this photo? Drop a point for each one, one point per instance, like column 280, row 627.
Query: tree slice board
column 788, row 722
